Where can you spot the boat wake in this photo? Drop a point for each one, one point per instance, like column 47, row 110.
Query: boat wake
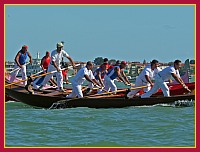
column 58, row 105
column 10, row 101
column 178, row 104
column 184, row 103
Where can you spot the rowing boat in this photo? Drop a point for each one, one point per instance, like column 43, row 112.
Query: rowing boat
column 43, row 100
column 120, row 102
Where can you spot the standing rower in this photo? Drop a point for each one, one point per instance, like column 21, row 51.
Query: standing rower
column 20, row 63
column 55, row 65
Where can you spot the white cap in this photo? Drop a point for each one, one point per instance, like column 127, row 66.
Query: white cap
column 60, row 44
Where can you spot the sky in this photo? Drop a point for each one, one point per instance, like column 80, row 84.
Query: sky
column 130, row 33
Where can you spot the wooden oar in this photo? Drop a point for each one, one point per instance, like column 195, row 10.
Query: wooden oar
column 37, row 73
column 140, row 87
column 17, row 68
column 44, row 74
column 71, row 67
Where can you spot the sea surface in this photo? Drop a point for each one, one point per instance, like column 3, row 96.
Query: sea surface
column 147, row 126
column 161, row 125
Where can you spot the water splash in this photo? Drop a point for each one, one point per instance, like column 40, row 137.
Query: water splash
column 184, row 103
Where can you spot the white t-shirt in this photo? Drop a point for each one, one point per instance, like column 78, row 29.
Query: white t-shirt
column 149, row 72
column 57, row 57
column 79, row 77
column 156, row 70
column 167, row 73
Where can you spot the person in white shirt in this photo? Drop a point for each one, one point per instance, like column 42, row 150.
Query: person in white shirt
column 165, row 75
column 145, row 78
column 55, row 64
column 83, row 74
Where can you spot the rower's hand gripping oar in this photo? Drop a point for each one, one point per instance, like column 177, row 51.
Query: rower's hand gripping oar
column 130, row 84
column 186, row 87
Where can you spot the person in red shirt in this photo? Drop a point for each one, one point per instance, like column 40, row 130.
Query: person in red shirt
column 44, row 65
column 64, row 73
column 105, row 64
column 45, row 61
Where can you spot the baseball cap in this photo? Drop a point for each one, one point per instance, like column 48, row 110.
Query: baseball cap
column 25, row 46
column 123, row 62
column 60, row 44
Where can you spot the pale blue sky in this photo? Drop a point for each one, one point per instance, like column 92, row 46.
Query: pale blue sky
column 131, row 33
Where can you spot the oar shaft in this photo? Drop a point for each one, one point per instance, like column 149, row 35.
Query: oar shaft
column 71, row 67
column 141, row 87
column 37, row 73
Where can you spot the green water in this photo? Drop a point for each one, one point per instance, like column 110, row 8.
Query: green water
column 161, row 125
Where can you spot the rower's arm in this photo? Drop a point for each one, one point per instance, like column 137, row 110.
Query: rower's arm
column 119, row 75
column 96, row 82
column 72, row 62
column 125, row 77
column 99, row 77
column 148, row 79
column 17, row 59
column 55, row 65
column 179, row 80
column 88, row 79
column 30, row 57
column 42, row 62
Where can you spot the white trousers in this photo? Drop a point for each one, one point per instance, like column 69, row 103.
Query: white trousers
column 109, row 84
column 139, row 83
column 159, row 83
column 15, row 73
column 76, row 91
column 58, row 76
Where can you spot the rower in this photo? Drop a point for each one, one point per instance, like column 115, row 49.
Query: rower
column 145, row 78
column 105, row 64
column 115, row 72
column 44, row 65
column 99, row 75
column 20, row 60
column 55, row 64
column 83, row 74
column 165, row 75
column 117, row 63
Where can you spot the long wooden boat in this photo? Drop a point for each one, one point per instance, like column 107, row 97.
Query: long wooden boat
column 43, row 100
column 120, row 102
column 175, row 89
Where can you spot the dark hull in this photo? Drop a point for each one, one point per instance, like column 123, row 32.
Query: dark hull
column 36, row 100
column 105, row 102
column 120, row 102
